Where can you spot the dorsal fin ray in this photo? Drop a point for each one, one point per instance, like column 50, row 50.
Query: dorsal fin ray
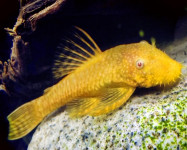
column 74, row 52
column 97, row 49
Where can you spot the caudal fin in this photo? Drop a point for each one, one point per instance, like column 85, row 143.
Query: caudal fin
column 23, row 120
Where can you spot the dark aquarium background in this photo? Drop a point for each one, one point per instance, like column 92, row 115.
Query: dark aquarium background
column 109, row 22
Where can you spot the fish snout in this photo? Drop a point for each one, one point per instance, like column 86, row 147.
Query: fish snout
column 173, row 73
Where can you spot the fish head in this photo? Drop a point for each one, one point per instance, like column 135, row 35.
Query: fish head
column 150, row 66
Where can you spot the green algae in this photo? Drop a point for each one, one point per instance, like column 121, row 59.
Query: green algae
column 171, row 126
column 163, row 127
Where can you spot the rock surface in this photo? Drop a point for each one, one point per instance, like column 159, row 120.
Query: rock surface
column 152, row 120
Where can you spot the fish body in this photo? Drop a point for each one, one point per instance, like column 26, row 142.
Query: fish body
column 96, row 82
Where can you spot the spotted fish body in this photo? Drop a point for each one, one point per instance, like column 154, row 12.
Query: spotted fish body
column 96, row 82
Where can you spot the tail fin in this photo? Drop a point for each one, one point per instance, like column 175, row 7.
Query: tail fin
column 23, row 120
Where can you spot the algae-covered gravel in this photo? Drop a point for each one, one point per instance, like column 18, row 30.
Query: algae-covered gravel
column 160, row 123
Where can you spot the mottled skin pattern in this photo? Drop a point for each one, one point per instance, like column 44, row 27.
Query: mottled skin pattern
column 101, row 84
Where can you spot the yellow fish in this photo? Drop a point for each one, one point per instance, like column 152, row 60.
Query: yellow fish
column 95, row 82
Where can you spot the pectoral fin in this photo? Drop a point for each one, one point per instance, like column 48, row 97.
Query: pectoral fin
column 81, row 107
column 112, row 99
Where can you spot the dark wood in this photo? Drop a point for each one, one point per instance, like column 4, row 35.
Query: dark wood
column 14, row 72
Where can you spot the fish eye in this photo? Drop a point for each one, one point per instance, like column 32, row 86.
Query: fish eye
column 139, row 64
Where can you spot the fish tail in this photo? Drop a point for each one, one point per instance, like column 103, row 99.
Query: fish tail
column 23, row 120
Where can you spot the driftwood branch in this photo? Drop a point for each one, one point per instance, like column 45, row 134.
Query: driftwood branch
column 14, row 72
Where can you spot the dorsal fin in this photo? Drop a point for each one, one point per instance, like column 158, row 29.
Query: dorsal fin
column 74, row 52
